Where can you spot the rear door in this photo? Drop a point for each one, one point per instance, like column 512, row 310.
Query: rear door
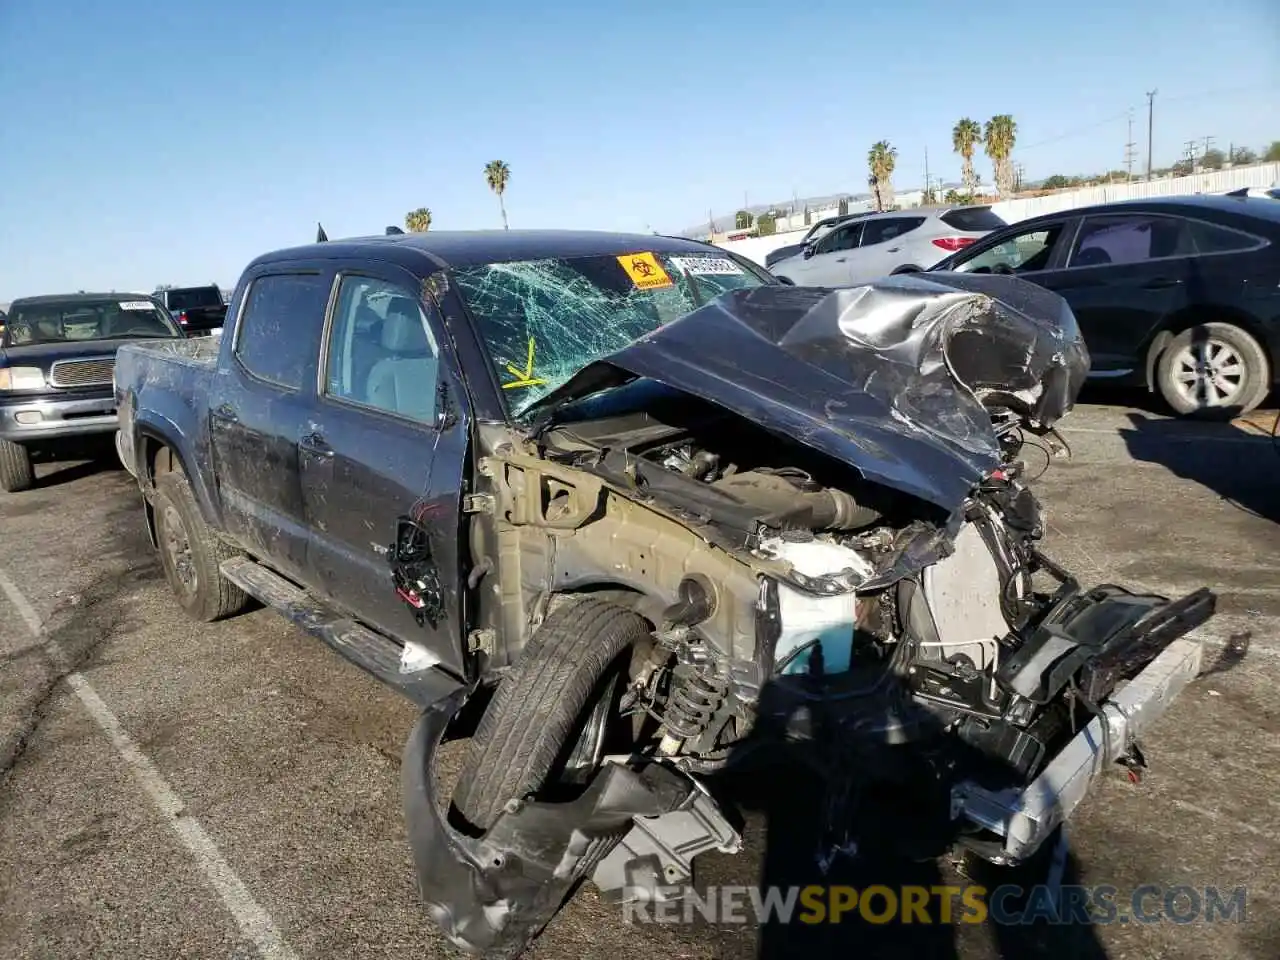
column 1124, row 276
column 386, row 440
column 257, row 405
column 882, row 247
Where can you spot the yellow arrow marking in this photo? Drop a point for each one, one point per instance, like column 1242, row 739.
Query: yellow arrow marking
column 525, row 377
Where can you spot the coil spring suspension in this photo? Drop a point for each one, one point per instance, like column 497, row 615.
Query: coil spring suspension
column 696, row 694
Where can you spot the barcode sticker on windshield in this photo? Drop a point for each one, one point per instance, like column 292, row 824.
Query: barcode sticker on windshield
column 706, row 266
column 137, row 305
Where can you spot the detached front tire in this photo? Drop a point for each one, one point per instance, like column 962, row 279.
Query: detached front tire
column 1213, row 370
column 16, row 472
column 191, row 554
column 550, row 709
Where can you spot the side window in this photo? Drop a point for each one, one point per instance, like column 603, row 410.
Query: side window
column 1020, row 253
column 381, row 350
column 279, row 326
column 841, row 238
column 1129, row 239
column 882, row 231
column 1211, row 238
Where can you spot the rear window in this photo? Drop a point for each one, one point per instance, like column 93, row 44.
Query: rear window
column 193, row 297
column 1211, row 238
column 280, row 327
column 973, row 219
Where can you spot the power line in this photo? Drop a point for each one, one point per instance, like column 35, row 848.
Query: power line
column 1151, row 99
column 1128, row 151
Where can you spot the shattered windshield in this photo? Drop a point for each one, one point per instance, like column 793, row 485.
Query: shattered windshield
column 62, row 321
column 544, row 320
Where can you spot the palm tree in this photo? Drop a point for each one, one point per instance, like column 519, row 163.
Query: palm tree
column 964, row 137
column 496, row 174
column 418, row 221
column 881, row 158
column 1000, row 135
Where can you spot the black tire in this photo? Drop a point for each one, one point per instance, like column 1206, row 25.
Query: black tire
column 540, row 708
column 191, row 554
column 907, row 268
column 16, row 473
column 1249, row 388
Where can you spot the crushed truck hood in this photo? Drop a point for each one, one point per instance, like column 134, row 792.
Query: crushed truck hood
column 889, row 377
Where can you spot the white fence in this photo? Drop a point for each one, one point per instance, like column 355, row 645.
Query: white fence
column 1260, row 175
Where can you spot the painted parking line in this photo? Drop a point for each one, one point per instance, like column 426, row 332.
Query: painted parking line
column 250, row 917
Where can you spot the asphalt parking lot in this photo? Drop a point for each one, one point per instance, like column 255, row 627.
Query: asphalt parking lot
column 232, row 790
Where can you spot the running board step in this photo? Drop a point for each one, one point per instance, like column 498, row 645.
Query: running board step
column 425, row 683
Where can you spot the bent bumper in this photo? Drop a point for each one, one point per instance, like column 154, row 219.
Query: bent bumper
column 1026, row 818
column 46, row 418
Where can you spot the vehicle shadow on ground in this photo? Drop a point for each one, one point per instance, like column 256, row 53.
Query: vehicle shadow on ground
column 66, row 464
column 901, row 838
column 1244, row 472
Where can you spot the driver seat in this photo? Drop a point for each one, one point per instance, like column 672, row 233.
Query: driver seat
column 404, row 381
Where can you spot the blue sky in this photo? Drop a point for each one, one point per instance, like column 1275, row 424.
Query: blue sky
column 149, row 142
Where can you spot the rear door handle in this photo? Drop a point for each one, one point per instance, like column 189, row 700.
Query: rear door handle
column 894, row 249
column 1159, row 283
column 316, row 445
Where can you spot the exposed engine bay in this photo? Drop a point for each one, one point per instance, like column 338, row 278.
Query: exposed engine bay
column 887, row 600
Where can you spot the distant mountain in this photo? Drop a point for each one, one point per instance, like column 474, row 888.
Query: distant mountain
column 726, row 222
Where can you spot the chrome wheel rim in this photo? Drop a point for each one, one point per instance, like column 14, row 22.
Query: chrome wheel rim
column 1209, row 374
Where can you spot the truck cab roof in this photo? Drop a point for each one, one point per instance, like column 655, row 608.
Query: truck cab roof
column 465, row 248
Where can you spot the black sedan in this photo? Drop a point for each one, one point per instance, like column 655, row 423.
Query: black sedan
column 1177, row 294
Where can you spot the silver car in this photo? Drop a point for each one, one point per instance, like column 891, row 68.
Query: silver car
column 886, row 243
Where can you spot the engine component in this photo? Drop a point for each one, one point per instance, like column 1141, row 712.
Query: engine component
column 963, row 593
column 792, row 499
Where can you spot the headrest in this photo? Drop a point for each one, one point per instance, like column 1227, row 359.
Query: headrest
column 402, row 330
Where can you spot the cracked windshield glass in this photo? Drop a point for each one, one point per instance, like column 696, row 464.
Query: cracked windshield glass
column 544, row 320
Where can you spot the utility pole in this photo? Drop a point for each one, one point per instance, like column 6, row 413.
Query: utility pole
column 926, row 175
column 1207, row 142
column 1151, row 99
column 1128, row 151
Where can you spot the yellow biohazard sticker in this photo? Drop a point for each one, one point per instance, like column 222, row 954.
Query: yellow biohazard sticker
column 645, row 271
column 525, row 377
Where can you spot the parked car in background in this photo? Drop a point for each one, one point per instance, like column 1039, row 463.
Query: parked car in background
column 57, row 356
column 668, row 511
column 815, row 233
column 196, row 309
column 1180, row 295
column 881, row 244
column 1267, row 193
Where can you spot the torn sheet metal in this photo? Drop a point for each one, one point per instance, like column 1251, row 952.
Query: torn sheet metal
column 890, row 377
column 493, row 894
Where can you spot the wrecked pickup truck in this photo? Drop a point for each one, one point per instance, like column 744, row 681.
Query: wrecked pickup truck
column 655, row 515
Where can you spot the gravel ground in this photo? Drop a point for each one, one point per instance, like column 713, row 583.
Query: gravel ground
column 232, row 790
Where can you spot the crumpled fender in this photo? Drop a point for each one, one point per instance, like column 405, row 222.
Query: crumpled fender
column 493, row 894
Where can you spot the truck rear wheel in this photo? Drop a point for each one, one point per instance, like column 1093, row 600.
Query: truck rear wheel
column 16, row 473
column 547, row 722
column 191, row 554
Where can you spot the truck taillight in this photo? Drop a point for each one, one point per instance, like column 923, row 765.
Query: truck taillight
column 182, row 317
column 952, row 244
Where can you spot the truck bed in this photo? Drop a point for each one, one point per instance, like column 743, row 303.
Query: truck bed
column 162, row 386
